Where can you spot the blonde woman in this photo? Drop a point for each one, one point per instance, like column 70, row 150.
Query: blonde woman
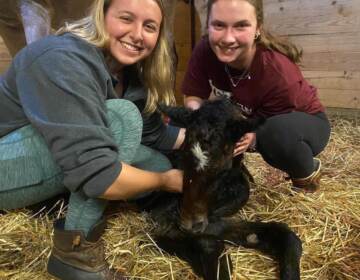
column 65, row 125
column 239, row 59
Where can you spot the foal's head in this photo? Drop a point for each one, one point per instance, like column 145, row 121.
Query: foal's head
column 211, row 134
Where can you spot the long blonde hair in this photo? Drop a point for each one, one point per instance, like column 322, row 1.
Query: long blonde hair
column 266, row 38
column 155, row 71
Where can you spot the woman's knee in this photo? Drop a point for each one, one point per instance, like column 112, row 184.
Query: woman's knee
column 276, row 140
column 151, row 160
column 274, row 134
column 125, row 122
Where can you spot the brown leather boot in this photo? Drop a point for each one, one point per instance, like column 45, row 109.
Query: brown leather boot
column 311, row 183
column 75, row 257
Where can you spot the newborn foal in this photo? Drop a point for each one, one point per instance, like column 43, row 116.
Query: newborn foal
column 216, row 185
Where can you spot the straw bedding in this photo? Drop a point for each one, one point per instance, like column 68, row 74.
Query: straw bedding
column 327, row 222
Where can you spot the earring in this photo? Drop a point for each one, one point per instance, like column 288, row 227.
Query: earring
column 257, row 35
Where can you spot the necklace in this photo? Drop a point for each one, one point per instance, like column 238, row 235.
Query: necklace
column 235, row 80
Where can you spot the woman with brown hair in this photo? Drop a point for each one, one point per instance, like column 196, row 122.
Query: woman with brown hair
column 240, row 60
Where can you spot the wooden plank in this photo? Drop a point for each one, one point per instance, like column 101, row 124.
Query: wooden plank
column 329, row 33
column 332, row 61
column 343, row 42
column 324, row 52
column 341, row 80
column 184, row 52
column 312, row 16
column 182, row 33
column 340, row 98
column 5, row 58
column 182, row 23
column 179, row 79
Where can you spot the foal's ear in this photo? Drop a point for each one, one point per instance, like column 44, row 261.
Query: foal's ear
column 180, row 115
column 237, row 128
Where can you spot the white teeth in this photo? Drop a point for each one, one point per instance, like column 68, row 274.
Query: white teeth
column 130, row 47
column 228, row 49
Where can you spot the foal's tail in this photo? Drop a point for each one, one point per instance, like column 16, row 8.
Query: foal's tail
column 274, row 239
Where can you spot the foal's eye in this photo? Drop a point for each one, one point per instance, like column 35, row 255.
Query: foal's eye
column 207, row 141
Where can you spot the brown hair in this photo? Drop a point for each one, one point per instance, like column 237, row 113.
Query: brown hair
column 155, row 70
column 266, row 38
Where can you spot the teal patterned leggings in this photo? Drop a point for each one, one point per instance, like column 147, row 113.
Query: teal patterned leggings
column 29, row 175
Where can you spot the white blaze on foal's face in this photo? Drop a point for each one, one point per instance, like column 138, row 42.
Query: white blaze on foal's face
column 201, row 155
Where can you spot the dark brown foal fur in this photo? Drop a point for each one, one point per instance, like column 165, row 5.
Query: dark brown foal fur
column 216, row 185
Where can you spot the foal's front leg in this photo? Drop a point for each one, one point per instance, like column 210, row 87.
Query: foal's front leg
column 204, row 254
column 214, row 263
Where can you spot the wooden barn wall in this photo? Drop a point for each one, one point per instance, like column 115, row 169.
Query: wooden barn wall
column 4, row 57
column 329, row 33
column 327, row 30
column 182, row 34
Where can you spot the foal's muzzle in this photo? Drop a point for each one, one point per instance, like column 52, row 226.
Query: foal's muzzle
column 195, row 224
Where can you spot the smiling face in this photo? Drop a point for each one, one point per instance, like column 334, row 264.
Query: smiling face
column 133, row 27
column 232, row 30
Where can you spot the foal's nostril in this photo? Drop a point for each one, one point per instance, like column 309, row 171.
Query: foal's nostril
column 185, row 225
column 198, row 227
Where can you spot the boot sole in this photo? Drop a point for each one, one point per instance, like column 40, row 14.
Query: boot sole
column 62, row 271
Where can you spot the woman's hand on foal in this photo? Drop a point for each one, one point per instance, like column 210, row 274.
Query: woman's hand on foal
column 245, row 142
column 172, row 180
